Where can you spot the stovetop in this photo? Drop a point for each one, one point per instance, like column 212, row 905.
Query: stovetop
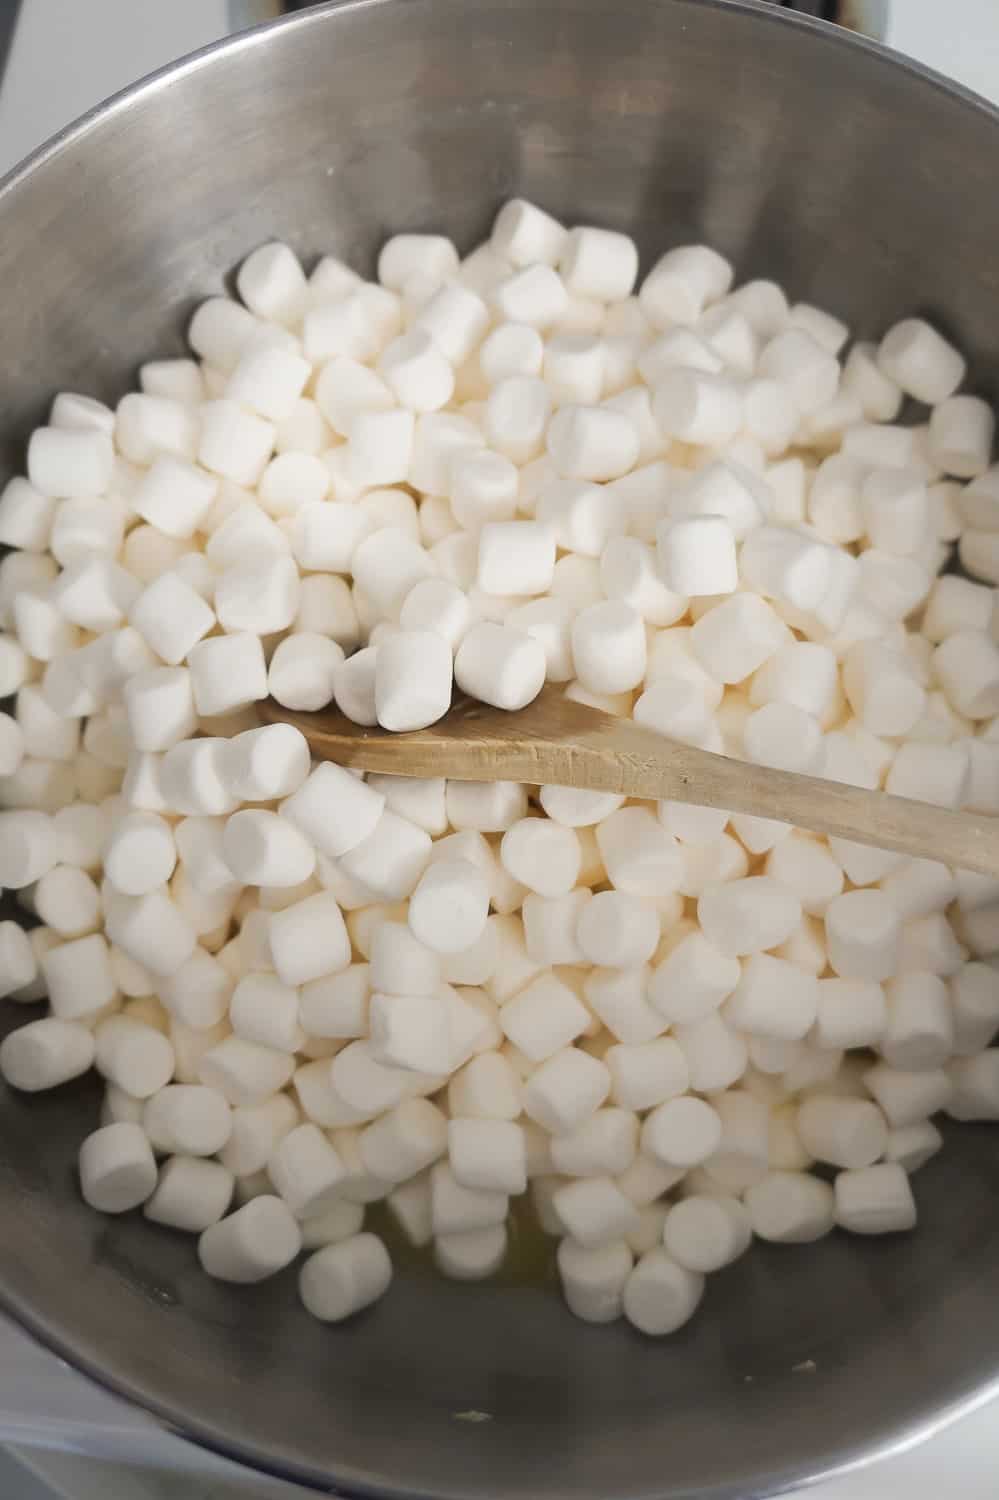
column 60, row 1435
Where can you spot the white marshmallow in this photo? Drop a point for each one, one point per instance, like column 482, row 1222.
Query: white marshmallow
column 704, row 1234
column 734, row 638
column 798, row 361
column 46, row 1053
column 526, row 235
column 682, row 1132
column 413, row 676
column 226, row 672
column 748, row 916
column 851, row 1013
column 915, row 356
column 615, row 930
column 790, row 1208
column 400, row 964
column 542, row 856
column 648, row 1074
column 191, row 1194
column 592, row 442
column 341, row 1279
column 620, row 999
column 456, row 1209
column 603, row 1145
column 595, row 1211
column 773, row 999
column 544, row 1017
column 608, row 647
column 715, row 1055
column 599, row 263
column 843, row 1132
column 697, row 556
column 386, row 565
column 692, row 981
column 306, row 1171
column 308, row 940
column 78, row 978
column 875, row 1200
column 68, row 902
column 488, row 1155
column 186, row 1118
column 967, row 667
column 905, row 1097
column 117, row 1170
column 255, row 1242
column 503, row 667
column 140, row 854
column 682, row 282
column 410, row 1032
column 565, row 1090
column 486, row 1088
column 449, row 906
column 659, row 1295
column 862, row 932
column 976, row 1087
column 695, row 406
column 593, row 1280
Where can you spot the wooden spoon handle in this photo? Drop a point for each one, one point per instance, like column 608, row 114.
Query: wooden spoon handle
column 568, row 744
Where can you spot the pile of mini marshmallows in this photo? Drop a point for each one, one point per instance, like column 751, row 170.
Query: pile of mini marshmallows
column 307, row 990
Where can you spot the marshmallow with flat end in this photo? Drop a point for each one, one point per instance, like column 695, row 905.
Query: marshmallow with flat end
column 912, row 1146
column 862, row 933
column 525, row 235
column 18, row 964
column 245, row 1072
column 117, row 1169
column 535, row 295
column 403, row 255
column 267, row 849
column 919, row 1030
column 191, row 1194
column 543, row 1017
column 682, row 1132
column 456, row 319
column 449, row 906
column 25, row 516
column 254, row 1133
column 593, row 1280
column 400, row 963
column 511, row 349
column 487, row 1155
column 967, row 667
column 187, row 1118
column 264, row 1010
column 542, row 856
column 302, row 670
column 790, row 1208
column 150, row 929
column 594, row 1211
column 619, row 997
column 617, row 931
column 171, row 617
column 783, row 736
column 842, row 1132
column 960, row 436
column 457, row 1209
column 417, row 372
column 851, row 1013
column 272, row 283
column 706, row 1233
column 692, row 981
column 608, row 647
column 160, row 706
column 410, row 1032
column 697, row 555
column 659, row 1295
column 907, row 1097
column 603, row 1145
column 410, row 1206
column 309, row 940
column 337, row 812
column 592, row 442
column 629, row 572
column 878, row 393
column 472, row 1256
column 930, row 773
column 341, row 1221
column 976, row 1087
column 439, row 606
column 140, row 853
column 70, row 464
column 716, row 1056
column 68, row 902
column 648, row 1074
column 574, row 366
column 565, row 1090
column 413, row 677
column 46, row 1053
column 806, row 867
column 695, row 406
column 810, row 373
column 390, row 859
column 773, row 999
column 486, row 1088
column 500, row 666
column 875, row 1200
column 292, row 480
column 306, row 1171
column 974, row 996
column 407, row 1138
column 226, row 672
column 599, row 263
column 919, row 360
column 133, row 1055
column 192, row 778
column 255, row 1242
column 78, row 978
column 733, row 639
column 682, row 282
column 337, row 1005
column 551, row 926
column 574, row 807
column 748, row 916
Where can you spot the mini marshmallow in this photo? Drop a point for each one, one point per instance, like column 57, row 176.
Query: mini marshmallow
column 78, row 978
column 919, row 1029
column 46, row 1053
column 542, row 856
column 682, row 1132
column 974, row 998
column 140, row 854
column 191, row 1194
column 599, row 263
column 704, row 1234
column 593, row 1280
column 413, row 674
column 790, row 1208
column 487, row 1155
column 904, row 1097
column 189, row 1119
column 862, row 932
column 525, row 235
column 306, row 1171
column 960, row 436
column 976, row 1087
column 503, row 667
column 592, row 442
column 117, row 1170
column 485, row 1088
column 967, row 666
column 659, row 1295
column 400, row 964
column 608, row 647
column 692, row 981
column 646, row 1075
column 543, row 1018
column 245, row 1073
column 915, row 356
column 748, row 916
column 226, row 672
column 875, row 1200
column 697, row 555
column 565, row 1090
column 695, row 406
column 734, row 638
column 615, row 930
column 595, row 1211
column 68, row 902
column 715, row 1055
column 457, row 1209
column 844, row 1132
column 773, row 999
column 133, row 1055
column 309, row 940
column 850, row 1013
column 255, row 1242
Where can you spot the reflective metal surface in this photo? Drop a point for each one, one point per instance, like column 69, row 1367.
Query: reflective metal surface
column 804, row 154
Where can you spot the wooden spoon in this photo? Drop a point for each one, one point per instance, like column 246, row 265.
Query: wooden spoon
column 563, row 743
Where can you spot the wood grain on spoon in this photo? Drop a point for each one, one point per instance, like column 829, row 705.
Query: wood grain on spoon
column 563, row 743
